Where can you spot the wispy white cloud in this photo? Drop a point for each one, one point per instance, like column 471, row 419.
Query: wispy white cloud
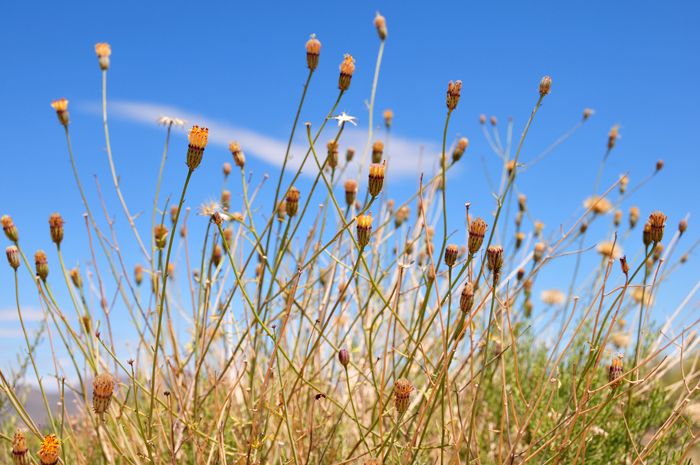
column 404, row 152
column 9, row 314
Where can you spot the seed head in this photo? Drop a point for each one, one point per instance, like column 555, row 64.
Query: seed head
column 332, row 153
column 453, row 94
column 459, row 149
column 347, row 67
column 292, row 204
column 659, row 165
column 9, row 227
column 364, row 229
column 657, row 220
column 61, row 107
column 682, row 226
column 160, row 233
column 494, row 257
column 42, row 266
column 20, row 449
column 313, row 47
column 344, row 357
column 388, row 118
column 634, row 216
column 545, row 85
column 50, row 450
column 376, row 178
column 349, row 153
column 553, row 297
column 380, row 22
column 477, row 230
column 466, row 301
column 402, row 394
column 350, row 191
column 613, row 136
column 102, row 395
column 238, row 156
column 56, row 224
column 138, row 274
column 615, row 372
column 451, row 253
column 623, row 264
column 198, row 138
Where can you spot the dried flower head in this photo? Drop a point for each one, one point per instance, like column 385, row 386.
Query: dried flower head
column 344, row 357
column 613, row 136
column 553, row 297
column 640, row 293
column 451, row 253
column 50, row 450
column 292, row 204
column 42, row 265
column 56, row 224
column 364, row 229
column 609, row 249
column 377, row 151
column 20, row 450
column 477, row 230
column 659, row 165
column 347, row 67
column 402, row 394
column 623, row 264
column 61, row 107
column 103, row 52
column 587, row 113
column 537, row 252
column 615, row 373
column 494, row 259
column 598, row 205
column 380, row 22
column 453, row 94
column 216, row 255
column 160, row 234
column 545, row 85
column 624, row 181
column 198, row 138
column 657, row 220
column 102, row 394
column 313, row 48
column 9, row 227
column 349, row 153
column 168, row 121
column 76, row 278
column 634, row 216
column 376, row 178
column 466, row 300
column 618, row 217
column 332, row 148
column 350, row 191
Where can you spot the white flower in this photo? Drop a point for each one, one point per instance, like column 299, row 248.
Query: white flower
column 344, row 118
column 167, row 121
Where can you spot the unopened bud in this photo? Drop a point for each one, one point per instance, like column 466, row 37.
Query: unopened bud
column 477, row 230
column 350, row 191
column 623, row 264
column 615, row 373
column 332, row 153
column 624, row 180
column 56, row 224
column 519, row 236
column 377, row 151
column 238, row 156
column 466, row 301
column 380, row 22
column 292, row 204
column 659, row 165
column 227, row 168
column 494, row 257
column 12, row 256
column 453, row 94
column 587, row 113
column 388, row 118
column 451, row 253
column 9, row 227
column 682, row 226
column 160, row 234
column 402, row 395
column 584, row 227
column 618, row 217
column 494, row 121
column 482, row 119
column 42, row 265
column 138, row 274
column 347, row 67
column 344, row 357
column 313, row 47
column 459, row 149
column 657, row 220
column 521, row 274
column 376, row 178
column 634, row 216
column 521, row 202
column 538, row 252
column 545, row 85
column 216, row 255
column 349, row 153
column 613, row 136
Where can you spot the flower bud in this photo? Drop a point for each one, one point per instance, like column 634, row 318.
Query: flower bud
column 402, row 394
column 388, row 118
column 160, row 233
column 227, row 168
column 402, row 215
column 173, row 214
column 482, row 119
column 587, row 113
column 227, row 240
column 494, row 121
column 344, row 357
column 618, row 217
column 451, row 253
column 539, row 226
column 138, row 274
column 350, row 191
column 20, row 451
column 521, row 274
column 102, row 395
column 466, row 300
column 380, row 22
column 519, row 236
column 518, row 219
column 364, row 229
column 61, row 107
column 477, row 230
column 50, row 450
column 313, row 47
column 225, row 200
column 103, row 52
column 281, row 210
column 615, row 373
column 658, row 250
column 623, row 264
column 390, row 205
column 9, row 227
column 349, row 153
column 682, row 226
column 216, row 255
column 183, row 231
column 528, row 309
column 510, row 167
column 42, row 265
column 376, row 178
column 56, row 224
column 657, row 220
column 494, row 257
column 646, row 235
column 659, row 165
column 332, row 153
column 459, row 149
column 76, row 278
column 431, row 273
column 538, row 252
column 377, row 151
column 613, row 136
column 634, row 216
column 584, row 227
column 347, row 67
column 624, row 180
column 292, row 204
column 521, row 202
column 527, row 288
column 238, row 156
column 453, row 94
column 545, row 85
column 198, row 138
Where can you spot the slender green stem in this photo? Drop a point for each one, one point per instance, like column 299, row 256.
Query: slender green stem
column 354, row 411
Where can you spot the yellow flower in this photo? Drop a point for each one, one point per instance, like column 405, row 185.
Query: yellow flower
column 198, row 137
column 597, row 204
column 553, row 297
column 50, row 450
column 103, row 50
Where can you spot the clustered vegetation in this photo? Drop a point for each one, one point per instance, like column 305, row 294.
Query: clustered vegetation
column 358, row 333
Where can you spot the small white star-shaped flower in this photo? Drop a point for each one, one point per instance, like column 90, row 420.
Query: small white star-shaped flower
column 344, row 118
column 166, row 121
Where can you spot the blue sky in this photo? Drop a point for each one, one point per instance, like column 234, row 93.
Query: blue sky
column 240, row 68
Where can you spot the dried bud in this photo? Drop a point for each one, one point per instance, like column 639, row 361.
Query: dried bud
column 376, row 178
column 521, row 202
column 183, row 231
column 377, row 151
column 634, row 216
column 292, row 204
column 494, row 257
column 9, row 227
column 103, row 52
column 519, row 236
column 20, row 455
column 624, row 180
column 587, row 113
column 61, row 107
column 402, row 215
column 659, row 165
column 349, row 153
column 615, row 373
column 138, row 274
column 538, row 252
column 281, row 210
column 380, row 22
column 682, row 226
column 227, row 168
column 451, row 253
column 173, row 214
column 494, row 121
column 347, row 67
column 225, row 200
column 545, row 85
column 521, row 274
column 238, row 156
column 453, row 94
column 56, row 223
column 539, row 226
column 390, row 205
column 510, row 167
column 364, row 229
column 102, row 395
column 198, row 138
column 518, row 219
column 402, row 394
column 388, row 118
column 657, row 220
column 313, row 47
column 482, row 119
column 227, row 239
column 76, row 278
column 216, row 255
column 50, row 450
column 350, row 191
column 42, row 266
column 332, row 153
column 584, row 227
column 431, row 273
column 466, row 301
column 477, row 230
column 618, row 217
column 344, row 357
column 217, row 219
column 160, row 233
column 459, row 149
column 623, row 264
column 613, row 136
